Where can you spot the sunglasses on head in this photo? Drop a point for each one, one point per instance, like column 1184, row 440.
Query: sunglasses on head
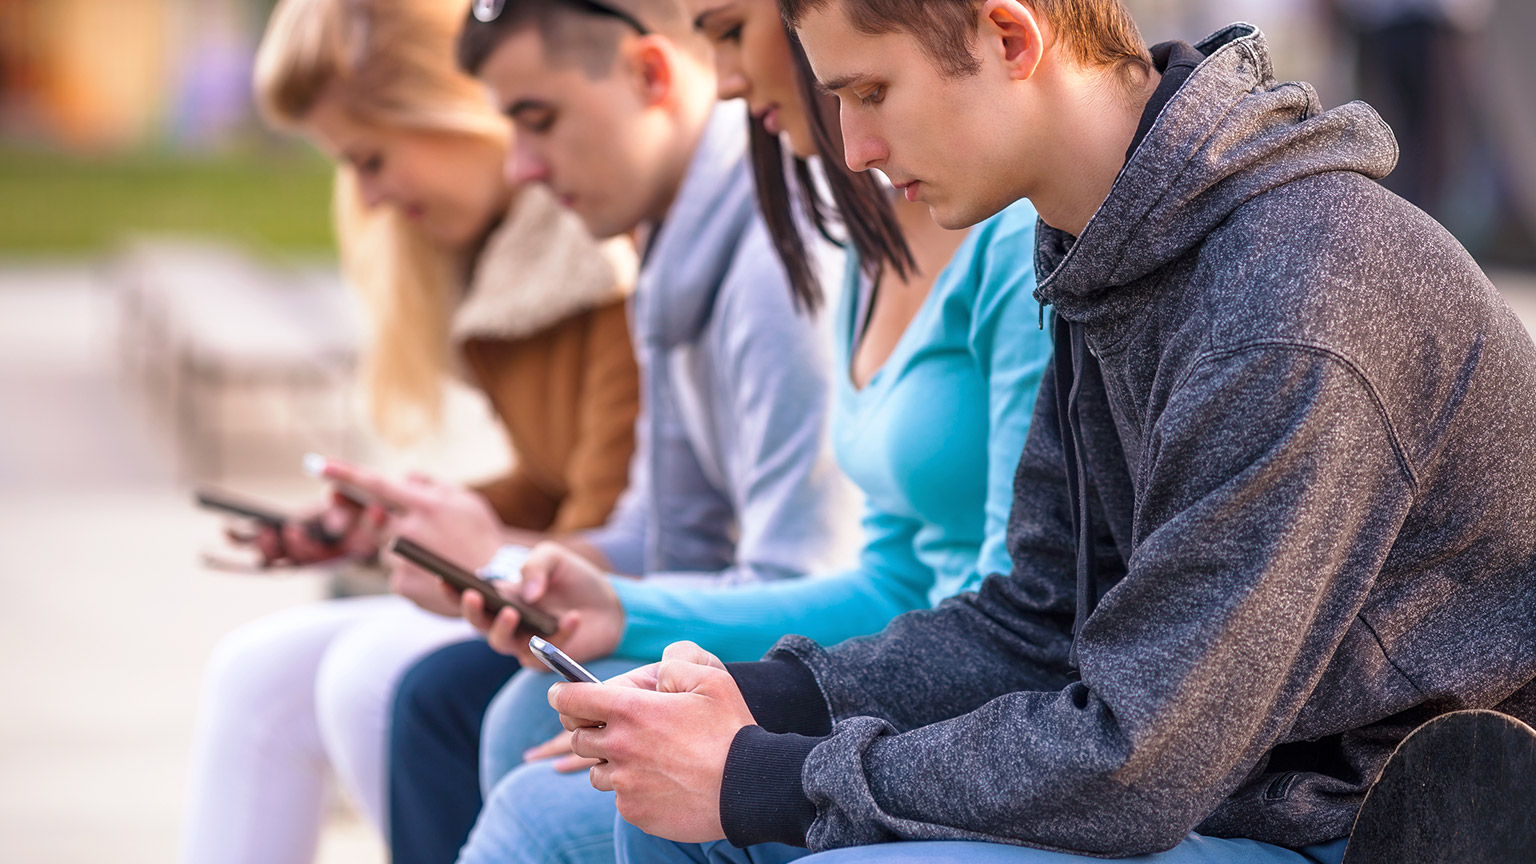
column 487, row 11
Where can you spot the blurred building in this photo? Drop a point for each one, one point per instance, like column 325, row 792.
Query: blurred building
column 112, row 74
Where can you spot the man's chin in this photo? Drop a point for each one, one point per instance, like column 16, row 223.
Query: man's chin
column 957, row 216
column 600, row 225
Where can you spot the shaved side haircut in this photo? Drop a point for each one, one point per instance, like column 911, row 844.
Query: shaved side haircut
column 577, row 33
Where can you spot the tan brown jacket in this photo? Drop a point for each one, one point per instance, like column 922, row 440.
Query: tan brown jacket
column 542, row 331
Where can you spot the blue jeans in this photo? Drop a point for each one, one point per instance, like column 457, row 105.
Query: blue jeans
column 636, row 847
column 533, row 813
column 434, row 750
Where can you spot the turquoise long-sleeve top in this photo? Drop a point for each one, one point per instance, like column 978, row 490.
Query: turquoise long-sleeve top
column 933, row 440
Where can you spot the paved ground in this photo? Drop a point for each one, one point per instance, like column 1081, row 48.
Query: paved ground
column 105, row 620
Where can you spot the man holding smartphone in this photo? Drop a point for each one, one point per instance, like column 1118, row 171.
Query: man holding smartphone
column 1274, row 511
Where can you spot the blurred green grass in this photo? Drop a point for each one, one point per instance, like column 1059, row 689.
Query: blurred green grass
column 60, row 204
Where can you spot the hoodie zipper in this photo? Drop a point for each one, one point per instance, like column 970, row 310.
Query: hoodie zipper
column 1070, row 345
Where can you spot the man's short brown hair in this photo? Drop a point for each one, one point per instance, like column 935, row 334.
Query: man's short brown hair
column 1095, row 33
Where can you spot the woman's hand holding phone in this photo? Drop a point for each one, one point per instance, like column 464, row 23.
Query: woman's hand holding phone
column 342, row 527
column 352, row 532
column 566, row 585
column 437, row 515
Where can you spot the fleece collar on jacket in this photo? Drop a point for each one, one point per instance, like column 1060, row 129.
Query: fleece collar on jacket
column 694, row 248
column 1230, row 134
column 538, row 267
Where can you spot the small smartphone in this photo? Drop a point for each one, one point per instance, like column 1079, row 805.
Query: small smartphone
column 262, row 515
column 533, row 619
column 562, row 664
column 223, row 501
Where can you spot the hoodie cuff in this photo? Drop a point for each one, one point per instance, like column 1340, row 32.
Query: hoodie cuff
column 762, row 798
column 782, row 695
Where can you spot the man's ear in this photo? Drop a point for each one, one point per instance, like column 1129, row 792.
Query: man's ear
column 1010, row 31
column 652, row 60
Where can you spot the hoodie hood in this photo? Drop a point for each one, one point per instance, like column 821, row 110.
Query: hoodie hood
column 691, row 251
column 539, row 267
column 1230, row 134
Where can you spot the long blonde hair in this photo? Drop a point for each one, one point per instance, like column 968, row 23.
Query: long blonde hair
column 390, row 63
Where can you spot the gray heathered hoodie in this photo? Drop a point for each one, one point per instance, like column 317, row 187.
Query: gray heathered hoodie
column 1308, row 429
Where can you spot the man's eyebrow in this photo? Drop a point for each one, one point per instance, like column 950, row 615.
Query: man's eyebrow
column 840, row 82
column 702, row 21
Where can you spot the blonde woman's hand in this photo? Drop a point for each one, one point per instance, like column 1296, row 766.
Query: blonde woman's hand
column 446, row 518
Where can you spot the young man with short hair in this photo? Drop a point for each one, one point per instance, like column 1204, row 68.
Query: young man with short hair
column 613, row 104
column 1274, row 511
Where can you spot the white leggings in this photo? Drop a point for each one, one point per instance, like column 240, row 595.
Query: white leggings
column 287, row 699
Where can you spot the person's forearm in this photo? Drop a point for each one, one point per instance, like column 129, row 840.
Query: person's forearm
column 741, row 622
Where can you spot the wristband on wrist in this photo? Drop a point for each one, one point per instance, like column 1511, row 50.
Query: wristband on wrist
column 507, row 564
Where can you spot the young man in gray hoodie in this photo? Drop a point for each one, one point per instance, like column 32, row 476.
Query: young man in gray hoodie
column 1275, row 509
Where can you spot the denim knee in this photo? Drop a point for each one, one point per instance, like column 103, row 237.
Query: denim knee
column 538, row 814
column 517, row 719
column 520, row 717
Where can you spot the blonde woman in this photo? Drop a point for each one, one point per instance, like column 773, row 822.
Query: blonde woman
column 461, row 273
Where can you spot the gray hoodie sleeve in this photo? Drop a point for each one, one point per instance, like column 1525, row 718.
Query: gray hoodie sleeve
column 1260, row 527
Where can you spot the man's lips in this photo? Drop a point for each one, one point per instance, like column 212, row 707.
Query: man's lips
column 909, row 189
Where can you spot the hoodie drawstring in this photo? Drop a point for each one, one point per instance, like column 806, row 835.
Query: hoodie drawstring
column 1070, row 346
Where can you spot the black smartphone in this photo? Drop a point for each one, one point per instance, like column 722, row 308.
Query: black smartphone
column 562, row 664
column 265, row 516
column 224, row 502
column 533, row 619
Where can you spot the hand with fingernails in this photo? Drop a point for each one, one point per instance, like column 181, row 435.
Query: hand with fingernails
column 662, row 733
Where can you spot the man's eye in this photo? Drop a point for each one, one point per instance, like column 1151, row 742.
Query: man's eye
column 874, row 97
column 536, row 123
column 731, row 35
column 371, row 166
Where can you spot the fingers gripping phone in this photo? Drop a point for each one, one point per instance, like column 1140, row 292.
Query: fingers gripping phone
column 562, row 664
column 533, row 619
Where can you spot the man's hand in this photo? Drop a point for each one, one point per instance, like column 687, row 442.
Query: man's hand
column 450, row 520
column 563, row 584
column 559, row 749
column 664, row 750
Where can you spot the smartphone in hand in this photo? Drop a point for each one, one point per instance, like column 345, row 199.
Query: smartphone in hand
column 561, row 663
column 533, row 619
column 265, row 516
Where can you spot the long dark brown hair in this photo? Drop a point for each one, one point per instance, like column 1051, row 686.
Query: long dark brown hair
column 860, row 204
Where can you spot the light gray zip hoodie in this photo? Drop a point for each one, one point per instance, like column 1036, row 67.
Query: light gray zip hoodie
column 1305, row 429
column 733, row 477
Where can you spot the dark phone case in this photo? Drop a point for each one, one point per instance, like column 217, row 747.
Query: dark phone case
column 227, row 503
column 561, row 664
column 533, row 619
column 223, row 501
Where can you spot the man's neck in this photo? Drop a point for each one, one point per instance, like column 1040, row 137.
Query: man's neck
column 1097, row 122
column 690, row 127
